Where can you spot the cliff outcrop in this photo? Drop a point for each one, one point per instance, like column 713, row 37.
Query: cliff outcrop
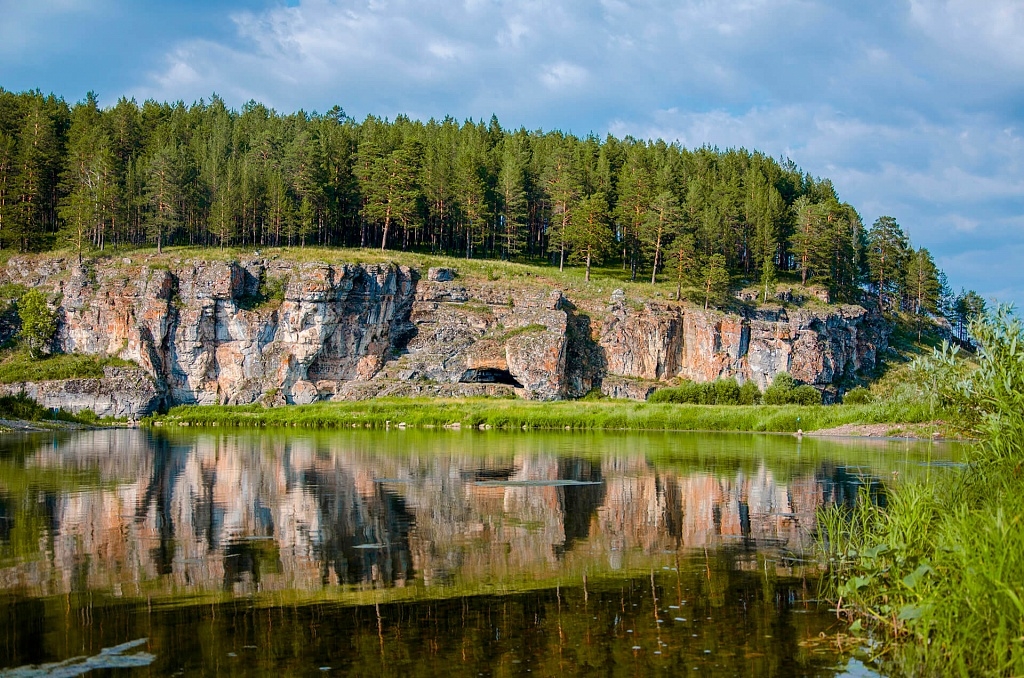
column 277, row 331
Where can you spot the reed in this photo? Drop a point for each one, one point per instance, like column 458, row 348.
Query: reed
column 936, row 571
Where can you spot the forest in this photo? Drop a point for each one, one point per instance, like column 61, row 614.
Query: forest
column 84, row 178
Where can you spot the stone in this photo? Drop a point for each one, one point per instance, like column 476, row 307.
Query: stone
column 441, row 274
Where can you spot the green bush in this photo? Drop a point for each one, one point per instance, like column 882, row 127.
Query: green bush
column 776, row 395
column 38, row 322
column 22, row 407
column 857, row 396
column 936, row 574
column 805, row 395
column 687, row 393
column 784, row 391
column 727, row 392
column 750, row 394
column 719, row 392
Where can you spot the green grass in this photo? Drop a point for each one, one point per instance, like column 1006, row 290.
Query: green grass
column 23, row 408
column 937, row 575
column 514, row 275
column 518, row 414
column 18, row 366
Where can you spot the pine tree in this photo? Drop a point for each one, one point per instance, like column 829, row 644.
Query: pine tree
column 714, row 278
column 922, row 283
column 162, row 188
column 636, row 189
column 887, row 253
column 33, row 178
column 589, row 234
column 512, row 190
column 562, row 188
column 663, row 223
column 392, row 192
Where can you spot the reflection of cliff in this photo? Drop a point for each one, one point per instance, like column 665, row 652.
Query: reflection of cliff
column 251, row 514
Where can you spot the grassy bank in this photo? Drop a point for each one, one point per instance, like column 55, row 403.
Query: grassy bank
column 18, row 366
column 517, row 414
column 938, row 574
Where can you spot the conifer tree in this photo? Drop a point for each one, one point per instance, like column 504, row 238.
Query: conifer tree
column 589, row 234
column 888, row 249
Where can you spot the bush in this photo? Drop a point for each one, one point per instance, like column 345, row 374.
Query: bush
column 805, row 395
column 719, row 392
column 38, row 322
column 727, row 392
column 776, row 395
column 22, row 407
column 857, row 396
column 687, row 393
column 784, row 391
column 750, row 394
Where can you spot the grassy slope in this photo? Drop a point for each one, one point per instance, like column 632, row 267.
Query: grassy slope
column 19, row 366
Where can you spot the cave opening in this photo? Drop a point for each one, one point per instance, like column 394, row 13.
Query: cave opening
column 489, row 375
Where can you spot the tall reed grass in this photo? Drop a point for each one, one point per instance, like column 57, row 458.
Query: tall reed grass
column 937, row 572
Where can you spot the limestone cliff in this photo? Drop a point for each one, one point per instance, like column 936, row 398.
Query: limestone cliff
column 279, row 331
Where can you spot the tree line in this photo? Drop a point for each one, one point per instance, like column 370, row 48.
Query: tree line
column 90, row 178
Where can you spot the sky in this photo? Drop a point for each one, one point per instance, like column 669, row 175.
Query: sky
column 913, row 108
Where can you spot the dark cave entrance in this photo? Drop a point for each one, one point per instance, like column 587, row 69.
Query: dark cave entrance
column 489, row 375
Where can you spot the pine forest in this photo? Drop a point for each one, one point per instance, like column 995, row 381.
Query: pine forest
column 84, row 179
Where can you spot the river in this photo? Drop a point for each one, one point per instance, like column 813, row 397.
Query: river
column 411, row 552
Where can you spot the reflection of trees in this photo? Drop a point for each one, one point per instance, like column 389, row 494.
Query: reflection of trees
column 364, row 528
column 252, row 513
column 746, row 619
column 578, row 502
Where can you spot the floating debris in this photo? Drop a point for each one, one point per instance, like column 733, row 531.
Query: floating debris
column 108, row 658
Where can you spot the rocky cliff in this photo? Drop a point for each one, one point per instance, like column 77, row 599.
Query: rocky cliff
column 279, row 331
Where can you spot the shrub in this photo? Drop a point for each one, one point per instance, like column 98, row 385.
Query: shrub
column 726, row 391
column 38, row 322
column 804, row 395
column 857, row 396
column 687, row 393
column 775, row 395
column 784, row 391
column 750, row 394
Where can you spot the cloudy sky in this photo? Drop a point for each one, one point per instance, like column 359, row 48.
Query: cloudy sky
column 914, row 108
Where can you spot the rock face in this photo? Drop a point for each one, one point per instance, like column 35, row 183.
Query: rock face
column 123, row 392
column 279, row 332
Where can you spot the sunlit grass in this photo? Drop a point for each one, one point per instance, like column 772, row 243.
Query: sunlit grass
column 518, row 414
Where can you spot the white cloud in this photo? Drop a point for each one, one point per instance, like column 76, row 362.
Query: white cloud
column 561, row 75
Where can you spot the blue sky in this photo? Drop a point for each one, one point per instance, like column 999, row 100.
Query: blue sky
column 914, row 109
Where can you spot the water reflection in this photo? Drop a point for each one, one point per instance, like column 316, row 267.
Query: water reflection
column 135, row 513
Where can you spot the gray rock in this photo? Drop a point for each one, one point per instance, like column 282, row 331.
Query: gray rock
column 441, row 274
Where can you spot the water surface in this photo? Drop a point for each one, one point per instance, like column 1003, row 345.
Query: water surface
column 428, row 552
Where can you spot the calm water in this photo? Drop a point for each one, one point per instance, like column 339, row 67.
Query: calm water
column 424, row 552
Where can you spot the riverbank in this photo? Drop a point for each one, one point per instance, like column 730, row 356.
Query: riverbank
column 616, row 415
column 936, row 575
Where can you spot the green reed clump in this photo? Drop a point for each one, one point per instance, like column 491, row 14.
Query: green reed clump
column 938, row 572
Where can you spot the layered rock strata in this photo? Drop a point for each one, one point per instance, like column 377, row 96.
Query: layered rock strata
column 277, row 331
